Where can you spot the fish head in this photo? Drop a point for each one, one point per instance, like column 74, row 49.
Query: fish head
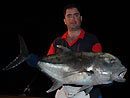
column 110, row 67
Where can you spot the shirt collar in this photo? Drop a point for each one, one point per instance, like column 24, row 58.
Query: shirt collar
column 81, row 35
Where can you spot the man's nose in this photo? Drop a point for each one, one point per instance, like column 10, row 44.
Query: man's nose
column 73, row 17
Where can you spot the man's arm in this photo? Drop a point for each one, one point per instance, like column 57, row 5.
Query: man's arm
column 51, row 50
column 97, row 47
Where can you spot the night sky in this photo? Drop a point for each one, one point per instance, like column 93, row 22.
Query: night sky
column 40, row 23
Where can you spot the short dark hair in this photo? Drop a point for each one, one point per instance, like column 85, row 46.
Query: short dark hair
column 69, row 6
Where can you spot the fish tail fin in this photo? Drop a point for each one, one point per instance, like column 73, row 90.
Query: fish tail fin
column 21, row 57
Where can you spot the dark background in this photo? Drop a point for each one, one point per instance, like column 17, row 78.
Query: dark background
column 40, row 23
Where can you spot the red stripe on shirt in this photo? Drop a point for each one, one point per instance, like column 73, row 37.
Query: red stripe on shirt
column 97, row 47
column 51, row 50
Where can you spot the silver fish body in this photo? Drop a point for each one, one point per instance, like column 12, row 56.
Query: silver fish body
column 83, row 68
column 79, row 68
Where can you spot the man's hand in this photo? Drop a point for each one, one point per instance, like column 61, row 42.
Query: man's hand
column 32, row 60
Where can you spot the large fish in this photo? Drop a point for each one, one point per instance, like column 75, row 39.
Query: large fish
column 79, row 68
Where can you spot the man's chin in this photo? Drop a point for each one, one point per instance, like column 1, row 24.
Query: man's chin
column 74, row 28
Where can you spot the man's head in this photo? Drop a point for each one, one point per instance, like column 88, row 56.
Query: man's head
column 72, row 17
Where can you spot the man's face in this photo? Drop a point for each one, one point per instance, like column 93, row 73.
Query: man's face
column 73, row 19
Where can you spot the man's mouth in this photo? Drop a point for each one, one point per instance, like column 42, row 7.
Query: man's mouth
column 73, row 22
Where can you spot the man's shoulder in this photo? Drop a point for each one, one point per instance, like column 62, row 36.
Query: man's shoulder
column 90, row 36
column 58, row 39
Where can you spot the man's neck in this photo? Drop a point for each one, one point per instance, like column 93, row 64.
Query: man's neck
column 72, row 35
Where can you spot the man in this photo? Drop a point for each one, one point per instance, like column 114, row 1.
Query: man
column 77, row 40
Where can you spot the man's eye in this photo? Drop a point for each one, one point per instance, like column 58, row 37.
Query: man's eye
column 69, row 16
column 76, row 15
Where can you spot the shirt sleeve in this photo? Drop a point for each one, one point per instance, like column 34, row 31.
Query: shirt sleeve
column 97, row 47
column 51, row 50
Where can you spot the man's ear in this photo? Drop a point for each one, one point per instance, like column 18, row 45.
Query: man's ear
column 64, row 21
column 81, row 18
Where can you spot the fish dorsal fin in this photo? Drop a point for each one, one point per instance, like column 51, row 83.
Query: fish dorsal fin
column 23, row 46
column 55, row 86
column 65, row 49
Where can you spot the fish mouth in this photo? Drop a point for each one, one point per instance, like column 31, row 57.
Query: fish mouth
column 121, row 75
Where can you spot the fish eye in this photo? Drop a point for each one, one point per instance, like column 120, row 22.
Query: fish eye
column 112, row 61
column 108, row 60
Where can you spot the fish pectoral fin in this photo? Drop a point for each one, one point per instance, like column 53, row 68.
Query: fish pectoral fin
column 67, row 74
column 55, row 86
column 87, row 89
